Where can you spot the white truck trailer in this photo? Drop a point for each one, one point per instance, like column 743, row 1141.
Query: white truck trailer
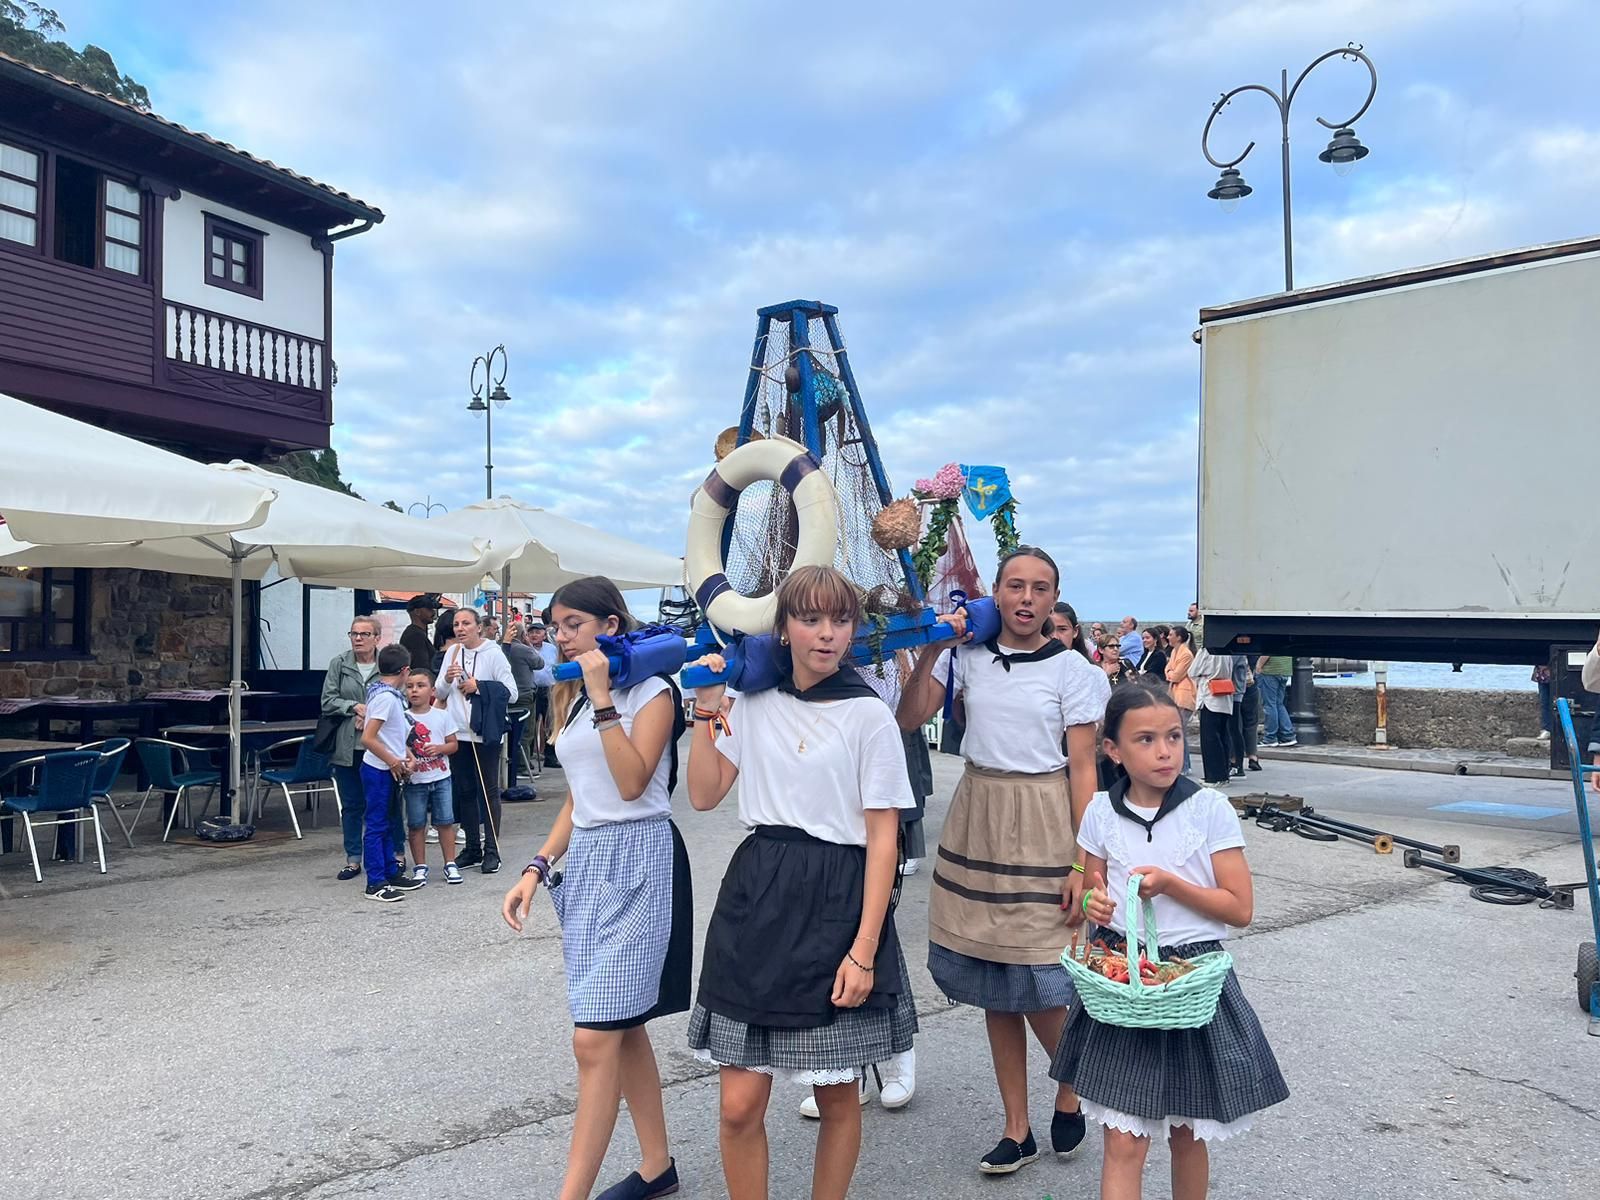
column 1407, row 466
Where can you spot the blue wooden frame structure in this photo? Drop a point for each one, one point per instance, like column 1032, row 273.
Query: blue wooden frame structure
column 902, row 631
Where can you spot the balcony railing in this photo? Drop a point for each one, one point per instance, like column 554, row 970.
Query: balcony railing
column 199, row 338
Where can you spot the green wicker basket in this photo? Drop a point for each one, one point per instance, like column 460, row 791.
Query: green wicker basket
column 1188, row 1002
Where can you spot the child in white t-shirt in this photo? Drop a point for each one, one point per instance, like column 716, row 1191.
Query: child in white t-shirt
column 385, row 737
column 427, row 790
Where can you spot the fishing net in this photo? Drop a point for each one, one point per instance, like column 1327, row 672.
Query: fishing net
column 762, row 546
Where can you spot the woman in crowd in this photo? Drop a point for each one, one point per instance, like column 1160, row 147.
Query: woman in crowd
column 1112, row 663
column 444, row 636
column 1179, row 658
column 803, row 973
column 476, row 684
column 625, row 904
column 1007, row 884
column 1153, row 666
column 1215, row 694
column 344, row 695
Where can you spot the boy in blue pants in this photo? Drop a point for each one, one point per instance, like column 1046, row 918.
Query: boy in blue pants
column 385, row 765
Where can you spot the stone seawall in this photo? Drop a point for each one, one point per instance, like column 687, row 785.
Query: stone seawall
column 1430, row 718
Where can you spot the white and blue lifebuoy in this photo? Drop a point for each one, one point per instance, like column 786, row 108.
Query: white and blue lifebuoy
column 794, row 468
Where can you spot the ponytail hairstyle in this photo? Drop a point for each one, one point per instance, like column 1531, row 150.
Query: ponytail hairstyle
column 598, row 597
column 1183, row 635
column 1067, row 613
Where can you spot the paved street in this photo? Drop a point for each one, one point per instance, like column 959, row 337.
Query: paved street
column 235, row 1024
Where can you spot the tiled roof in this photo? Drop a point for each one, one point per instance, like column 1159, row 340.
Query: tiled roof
column 130, row 113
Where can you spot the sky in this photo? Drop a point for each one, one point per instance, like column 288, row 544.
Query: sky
column 1005, row 201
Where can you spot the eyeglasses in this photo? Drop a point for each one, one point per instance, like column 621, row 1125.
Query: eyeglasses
column 573, row 624
column 362, row 633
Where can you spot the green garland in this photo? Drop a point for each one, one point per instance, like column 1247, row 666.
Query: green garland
column 1004, row 524
column 878, row 626
column 925, row 558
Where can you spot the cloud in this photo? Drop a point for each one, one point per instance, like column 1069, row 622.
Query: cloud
column 1008, row 208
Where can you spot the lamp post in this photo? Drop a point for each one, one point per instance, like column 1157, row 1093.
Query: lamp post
column 493, row 386
column 427, row 506
column 1343, row 152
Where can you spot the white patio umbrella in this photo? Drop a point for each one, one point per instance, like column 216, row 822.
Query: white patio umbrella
column 309, row 530
column 68, row 481
column 536, row 550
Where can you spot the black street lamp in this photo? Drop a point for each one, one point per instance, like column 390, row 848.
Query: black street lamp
column 494, row 385
column 1343, row 152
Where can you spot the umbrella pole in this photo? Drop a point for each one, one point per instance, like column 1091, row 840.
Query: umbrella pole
column 505, row 631
column 236, row 685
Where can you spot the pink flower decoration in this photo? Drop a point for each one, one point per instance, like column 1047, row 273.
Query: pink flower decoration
column 947, row 483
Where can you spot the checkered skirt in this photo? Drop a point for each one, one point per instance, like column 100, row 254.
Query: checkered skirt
column 999, row 987
column 615, row 905
column 832, row 1053
column 1221, row 1072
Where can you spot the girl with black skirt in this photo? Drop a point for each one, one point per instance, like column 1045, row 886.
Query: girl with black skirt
column 802, row 973
column 1189, row 1086
column 624, row 903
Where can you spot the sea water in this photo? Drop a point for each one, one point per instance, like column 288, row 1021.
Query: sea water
column 1488, row 677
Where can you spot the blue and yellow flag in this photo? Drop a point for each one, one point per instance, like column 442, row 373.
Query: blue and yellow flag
column 987, row 489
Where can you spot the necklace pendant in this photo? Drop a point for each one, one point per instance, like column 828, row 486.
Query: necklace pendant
column 802, row 746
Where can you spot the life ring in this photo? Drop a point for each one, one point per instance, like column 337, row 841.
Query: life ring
column 794, row 468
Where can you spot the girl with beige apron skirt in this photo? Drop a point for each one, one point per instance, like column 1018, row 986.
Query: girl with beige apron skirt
column 1002, row 893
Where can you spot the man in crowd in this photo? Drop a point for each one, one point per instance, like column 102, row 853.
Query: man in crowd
column 417, row 637
column 1130, row 643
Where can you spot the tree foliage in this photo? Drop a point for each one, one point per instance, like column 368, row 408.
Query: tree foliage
column 30, row 32
column 320, row 467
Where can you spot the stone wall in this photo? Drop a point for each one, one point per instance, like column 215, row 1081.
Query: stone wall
column 1430, row 718
column 149, row 631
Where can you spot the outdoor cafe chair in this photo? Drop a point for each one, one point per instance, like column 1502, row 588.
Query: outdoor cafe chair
column 167, row 765
column 311, row 771
column 63, row 783
column 111, row 751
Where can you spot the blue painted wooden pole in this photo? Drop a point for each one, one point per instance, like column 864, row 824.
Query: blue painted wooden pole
column 800, row 339
column 869, row 443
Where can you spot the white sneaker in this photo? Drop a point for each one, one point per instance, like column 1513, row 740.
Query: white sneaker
column 808, row 1106
column 1544, row 735
column 420, row 874
column 897, row 1080
column 433, row 835
column 910, row 866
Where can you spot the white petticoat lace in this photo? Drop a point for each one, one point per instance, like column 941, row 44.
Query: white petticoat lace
column 808, row 1078
column 1204, row 1130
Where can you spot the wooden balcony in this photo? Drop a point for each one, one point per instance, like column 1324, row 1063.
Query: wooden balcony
column 208, row 352
column 107, row 348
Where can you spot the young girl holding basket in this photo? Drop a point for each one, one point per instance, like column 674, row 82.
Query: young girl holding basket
column 1189, row 1086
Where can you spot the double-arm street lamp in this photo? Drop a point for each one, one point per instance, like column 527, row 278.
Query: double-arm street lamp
column 1343, row 151
column 493, row 385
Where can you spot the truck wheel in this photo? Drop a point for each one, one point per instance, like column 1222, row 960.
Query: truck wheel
column 1588, row 971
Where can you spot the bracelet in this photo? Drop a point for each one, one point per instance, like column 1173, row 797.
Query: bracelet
column 608, row 723
column 704, row 714
column 608, row 713
column 861, row 937
column 1086, row 896
column 540, row 864
column 856, row 965
column 1078, row 867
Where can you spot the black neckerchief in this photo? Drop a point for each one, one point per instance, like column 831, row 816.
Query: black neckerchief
column 843, row 684
column 1050, row 649
column 1182, row 788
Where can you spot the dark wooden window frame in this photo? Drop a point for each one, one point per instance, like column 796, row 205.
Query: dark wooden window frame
column 48, row 619
column 48, row 153
column 103, row 236
column 38, row 192
column 234, row 234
